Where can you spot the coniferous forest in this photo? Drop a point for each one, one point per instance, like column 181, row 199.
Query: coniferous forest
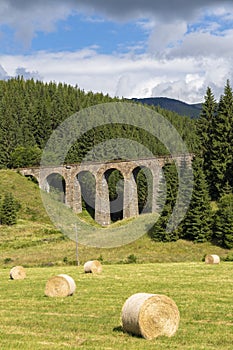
column 30, row 110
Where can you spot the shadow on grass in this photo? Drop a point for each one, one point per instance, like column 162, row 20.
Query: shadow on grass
column 120, row 329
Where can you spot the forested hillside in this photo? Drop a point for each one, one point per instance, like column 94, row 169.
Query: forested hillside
column 30, row 110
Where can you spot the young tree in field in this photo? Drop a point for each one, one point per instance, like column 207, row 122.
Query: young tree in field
column 223, row 222
column 9, row 210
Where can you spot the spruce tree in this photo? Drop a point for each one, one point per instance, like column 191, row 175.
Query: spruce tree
column 223, row 222
column 159, row 231
column 196, row 225
column 220, row 155
column 9, row 210
column 205, row 130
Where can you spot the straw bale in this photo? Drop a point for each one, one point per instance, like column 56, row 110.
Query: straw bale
column 150, row 315
column 60, row 286
column 212, row 259
column 92, row 266
column 17, row 273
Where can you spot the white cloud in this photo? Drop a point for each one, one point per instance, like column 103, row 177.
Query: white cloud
column 202, row 44
column 3, row 73
column 124, row 75
column 21, row 71
column 166, row 35
column 178, row 64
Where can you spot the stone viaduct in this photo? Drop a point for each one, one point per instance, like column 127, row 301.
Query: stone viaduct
column 73, row 195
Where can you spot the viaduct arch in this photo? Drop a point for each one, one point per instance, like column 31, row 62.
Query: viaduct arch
column 73, row 195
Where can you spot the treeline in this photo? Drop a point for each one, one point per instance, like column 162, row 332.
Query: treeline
column 30, row 110
column 213, row 180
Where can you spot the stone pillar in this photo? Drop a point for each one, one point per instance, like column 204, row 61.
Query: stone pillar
column 77, row 196
column 102, row 204
column 69, row 193
column 44, row 185
column 130, row 204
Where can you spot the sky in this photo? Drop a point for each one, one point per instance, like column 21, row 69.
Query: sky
column 130, row 48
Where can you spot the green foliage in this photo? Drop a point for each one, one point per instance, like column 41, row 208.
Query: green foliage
column 159, row 232
column 9, row 208
column 25, row 157
column 223, row 222
column 168, row 186
column 30, row 111
column 197, row 223
column 131, row 259
column 206, row 133
column 168, row 193
column 229, row 257
column 8, row 260
column 216, row 132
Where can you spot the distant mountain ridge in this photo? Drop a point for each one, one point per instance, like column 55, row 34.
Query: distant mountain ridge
column 182, row 108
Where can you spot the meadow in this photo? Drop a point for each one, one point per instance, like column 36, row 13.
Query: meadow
column 91, row 318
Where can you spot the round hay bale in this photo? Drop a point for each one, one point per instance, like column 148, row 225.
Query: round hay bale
column 150, row 315
column 92, row 266
column 60, row 286
column 17, row 273
column 212, row 259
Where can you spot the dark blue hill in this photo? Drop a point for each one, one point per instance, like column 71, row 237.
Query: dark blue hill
column 182, row 108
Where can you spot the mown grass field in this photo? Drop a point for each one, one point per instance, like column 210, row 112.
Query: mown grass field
column 91, row 318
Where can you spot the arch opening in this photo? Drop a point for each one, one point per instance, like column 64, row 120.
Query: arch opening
column 32, row 179
column 144, row 181
column 115, row 182
column 88, row 191
column 56, row 186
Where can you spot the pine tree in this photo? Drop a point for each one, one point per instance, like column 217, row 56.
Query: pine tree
column 184, row 195
column 223, row 222
column 159, row 231
column 205, row 129
column 196, row 225
column 220, row 155
column 9, row 210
